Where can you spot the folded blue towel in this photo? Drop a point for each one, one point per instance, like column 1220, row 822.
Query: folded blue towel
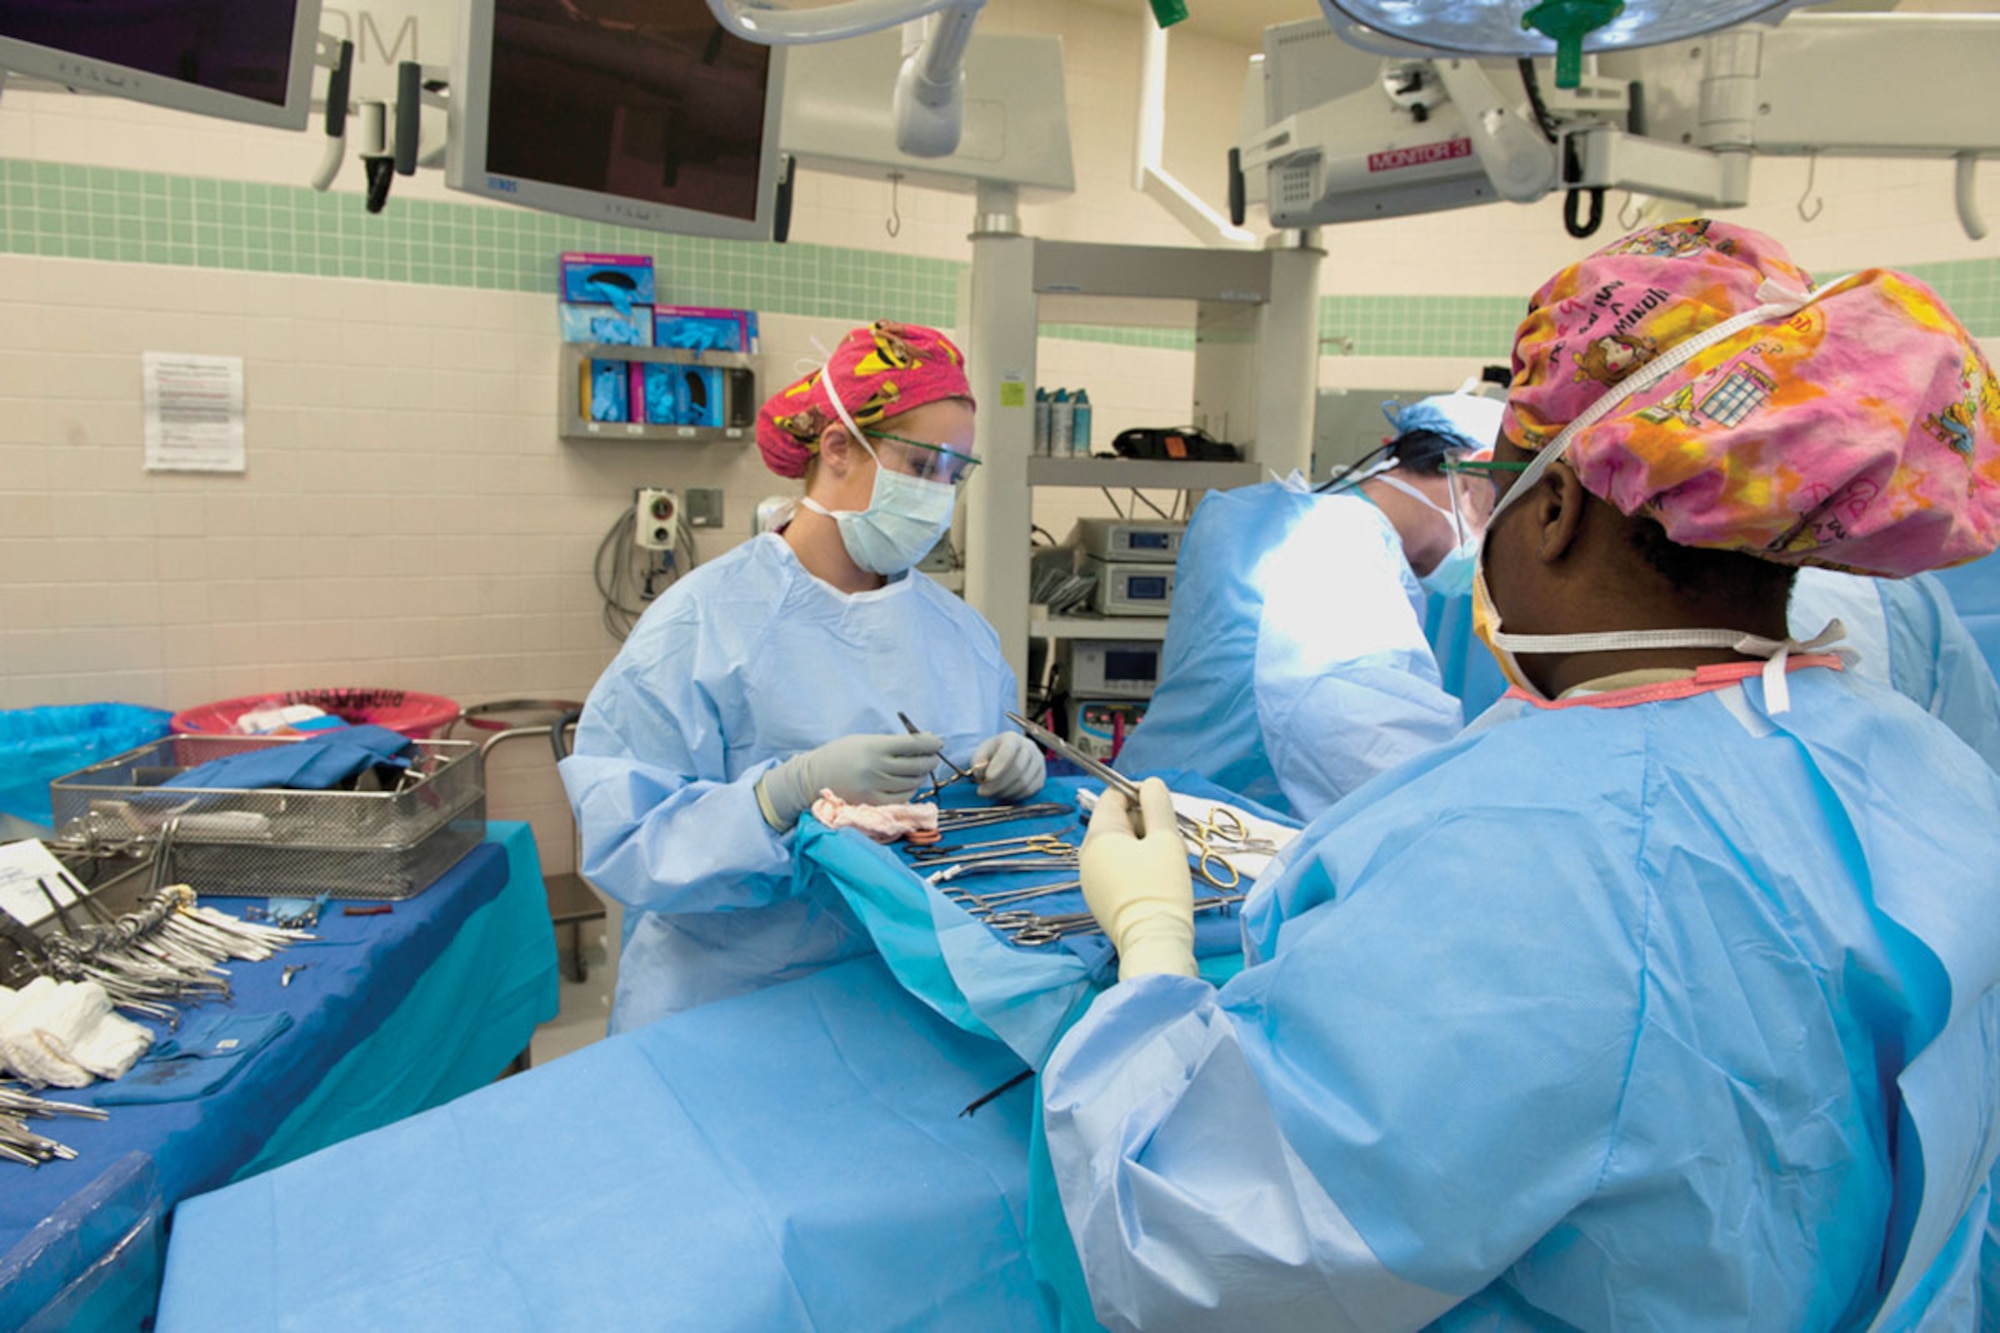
column 194, row 1062
column 326, row 760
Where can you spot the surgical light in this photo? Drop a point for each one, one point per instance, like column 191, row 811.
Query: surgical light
column 1565, row 29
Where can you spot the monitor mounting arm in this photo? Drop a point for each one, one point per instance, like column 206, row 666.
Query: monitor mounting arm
column 929, row 96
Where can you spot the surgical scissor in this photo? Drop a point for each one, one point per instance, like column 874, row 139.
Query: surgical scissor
column 1035, row 844
column 1226, row 829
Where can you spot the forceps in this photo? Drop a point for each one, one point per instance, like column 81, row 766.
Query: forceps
column 976, row 773
column 988, row 904
column 1025, row 927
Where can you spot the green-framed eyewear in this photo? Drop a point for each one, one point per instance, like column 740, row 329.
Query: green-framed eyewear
column 1491, row 470
column 931, row 462
column 1483, row 466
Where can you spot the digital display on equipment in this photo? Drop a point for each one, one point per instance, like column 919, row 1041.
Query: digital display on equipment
column 1140, row 664
column 1147, row 588
column 647, row 100
column 1150, row 541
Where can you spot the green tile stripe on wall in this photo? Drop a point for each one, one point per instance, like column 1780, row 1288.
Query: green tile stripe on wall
column 67, row 211
column 103, row 213
column 1462, row 326
column 1971, row 288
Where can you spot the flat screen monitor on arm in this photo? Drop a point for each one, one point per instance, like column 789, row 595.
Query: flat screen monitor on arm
column 643, row 113
column 247, row 60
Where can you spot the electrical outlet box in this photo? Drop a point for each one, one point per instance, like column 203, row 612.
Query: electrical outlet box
column 657, row 517
column 704, row 507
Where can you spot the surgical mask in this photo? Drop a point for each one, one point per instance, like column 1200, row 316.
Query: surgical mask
column 1779, row 303
column 903, row 521
column 1453, row 573
column 905, row 515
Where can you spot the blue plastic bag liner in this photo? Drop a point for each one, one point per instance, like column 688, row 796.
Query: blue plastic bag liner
column 955, row 963
column 39, row 745
column 312, row 765
column 201, row 1057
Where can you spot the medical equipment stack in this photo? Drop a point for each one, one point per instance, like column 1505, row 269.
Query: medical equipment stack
column 1132, row 561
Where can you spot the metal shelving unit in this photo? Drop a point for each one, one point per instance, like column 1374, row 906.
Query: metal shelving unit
column 1255, row 376
column 1141, row 474
column 1143, row 629
column 740, row 400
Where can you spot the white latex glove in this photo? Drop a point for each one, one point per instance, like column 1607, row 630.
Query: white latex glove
column 1139, row 888
column 865, row 770
column 1014, row 767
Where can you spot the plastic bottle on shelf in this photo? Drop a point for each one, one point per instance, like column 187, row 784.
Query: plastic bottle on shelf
column 1062, row 420
column 1041, row 421
column 1079, row 424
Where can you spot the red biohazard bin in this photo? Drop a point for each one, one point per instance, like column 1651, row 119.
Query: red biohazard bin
column 415, row 715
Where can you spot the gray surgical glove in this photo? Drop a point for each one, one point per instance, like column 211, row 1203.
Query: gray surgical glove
column 867, row 770
column 1014, row 768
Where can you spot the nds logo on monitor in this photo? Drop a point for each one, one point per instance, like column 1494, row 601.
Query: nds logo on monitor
column 503, row 184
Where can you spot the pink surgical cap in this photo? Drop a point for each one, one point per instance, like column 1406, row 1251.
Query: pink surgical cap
column 879, row 371
column 1861, row 432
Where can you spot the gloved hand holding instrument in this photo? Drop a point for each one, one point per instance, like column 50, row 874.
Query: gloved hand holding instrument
column 865, row 769
column 1134, row 866
column 1007, row 767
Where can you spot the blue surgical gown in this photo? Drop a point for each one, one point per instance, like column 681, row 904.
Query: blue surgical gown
column 746, row 661
column 1975, row 594
column 1295, row 666
column 1612, row 1015
column 1908, row 637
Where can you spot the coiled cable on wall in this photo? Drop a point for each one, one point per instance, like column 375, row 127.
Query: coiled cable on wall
column 627, row 583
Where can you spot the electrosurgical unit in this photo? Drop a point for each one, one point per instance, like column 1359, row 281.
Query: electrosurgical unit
column 1135, row 539
column 1126, row 588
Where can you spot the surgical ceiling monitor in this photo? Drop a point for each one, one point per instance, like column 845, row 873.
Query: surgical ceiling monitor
column 248, row 60
column 643, row 113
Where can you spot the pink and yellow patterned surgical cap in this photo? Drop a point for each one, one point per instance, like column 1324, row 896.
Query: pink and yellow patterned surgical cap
column 1861, row 432
column 880, row 371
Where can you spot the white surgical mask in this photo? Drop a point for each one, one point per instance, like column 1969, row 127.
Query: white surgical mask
column 1452, row 575
column 1780, row 303
column 905, row 515
column 903, row 521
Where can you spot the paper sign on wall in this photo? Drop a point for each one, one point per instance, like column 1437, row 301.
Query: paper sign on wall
column 194, row 413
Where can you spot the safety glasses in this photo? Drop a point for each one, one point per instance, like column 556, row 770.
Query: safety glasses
column 1480, row 479
column 929, row 462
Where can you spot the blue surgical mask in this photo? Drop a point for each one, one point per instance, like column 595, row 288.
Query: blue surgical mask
column 903, row 521
column 1452, row 576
